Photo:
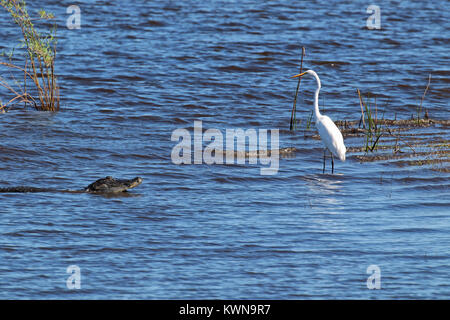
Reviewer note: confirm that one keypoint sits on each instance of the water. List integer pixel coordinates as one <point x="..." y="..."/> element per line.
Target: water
<point x="134" y="73"/>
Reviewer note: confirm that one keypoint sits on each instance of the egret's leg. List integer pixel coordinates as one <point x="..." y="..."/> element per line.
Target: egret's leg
<point x="332" y="163"/>
<point x="324" y="159"/>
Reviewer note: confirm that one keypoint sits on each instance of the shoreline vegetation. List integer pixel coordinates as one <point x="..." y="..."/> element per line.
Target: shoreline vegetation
<point x="39" y="65"/>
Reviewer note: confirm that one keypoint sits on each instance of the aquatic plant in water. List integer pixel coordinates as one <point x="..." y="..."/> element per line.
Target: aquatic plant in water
<point x="371" y="125"/>
<point x="39" y="63"/>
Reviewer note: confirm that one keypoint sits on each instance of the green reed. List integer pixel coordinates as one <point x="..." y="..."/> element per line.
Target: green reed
<point x="373" y="129"/>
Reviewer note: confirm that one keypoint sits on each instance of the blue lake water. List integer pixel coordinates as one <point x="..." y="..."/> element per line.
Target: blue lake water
<point x="134" y="73"/>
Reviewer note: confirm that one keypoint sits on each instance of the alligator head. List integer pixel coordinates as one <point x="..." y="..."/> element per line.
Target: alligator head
<point x="112" y="185"/>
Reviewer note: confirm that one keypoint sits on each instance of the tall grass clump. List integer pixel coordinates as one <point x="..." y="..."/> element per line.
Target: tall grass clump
<point x="373" y="130"/>
<point x="39" y="65"/>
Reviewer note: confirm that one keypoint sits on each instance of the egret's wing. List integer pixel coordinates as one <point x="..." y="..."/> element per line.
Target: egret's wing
<point x="331" y="136"/>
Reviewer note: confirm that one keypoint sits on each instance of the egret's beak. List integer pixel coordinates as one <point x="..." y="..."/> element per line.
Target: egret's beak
<point x="299" y="75"/>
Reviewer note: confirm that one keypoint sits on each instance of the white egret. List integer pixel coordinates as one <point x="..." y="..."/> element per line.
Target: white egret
<point x="328" y="131"/>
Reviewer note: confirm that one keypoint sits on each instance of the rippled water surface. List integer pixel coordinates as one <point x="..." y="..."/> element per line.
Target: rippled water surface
<point x="135" y="72"/>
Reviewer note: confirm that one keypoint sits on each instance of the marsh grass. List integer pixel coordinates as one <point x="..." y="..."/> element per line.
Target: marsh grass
<point x="373" y="128"/>
<point x="39" y="64"/>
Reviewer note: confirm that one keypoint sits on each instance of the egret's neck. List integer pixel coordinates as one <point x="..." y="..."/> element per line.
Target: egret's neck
<point x="316" y="99"/>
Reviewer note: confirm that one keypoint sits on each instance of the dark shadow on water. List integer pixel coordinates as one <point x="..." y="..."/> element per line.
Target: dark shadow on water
<point x="118" y="195"/>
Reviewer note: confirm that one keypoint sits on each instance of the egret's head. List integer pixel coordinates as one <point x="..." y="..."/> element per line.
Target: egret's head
<point x="311" y="72"/>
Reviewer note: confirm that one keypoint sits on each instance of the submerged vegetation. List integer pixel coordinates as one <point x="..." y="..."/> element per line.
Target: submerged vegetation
<point x="403" y="142"/>
<point x="38" y="65"/>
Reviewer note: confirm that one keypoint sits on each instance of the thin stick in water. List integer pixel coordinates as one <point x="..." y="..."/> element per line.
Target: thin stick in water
<point x="424" y="93"/>
<point x="291" y="126"/>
